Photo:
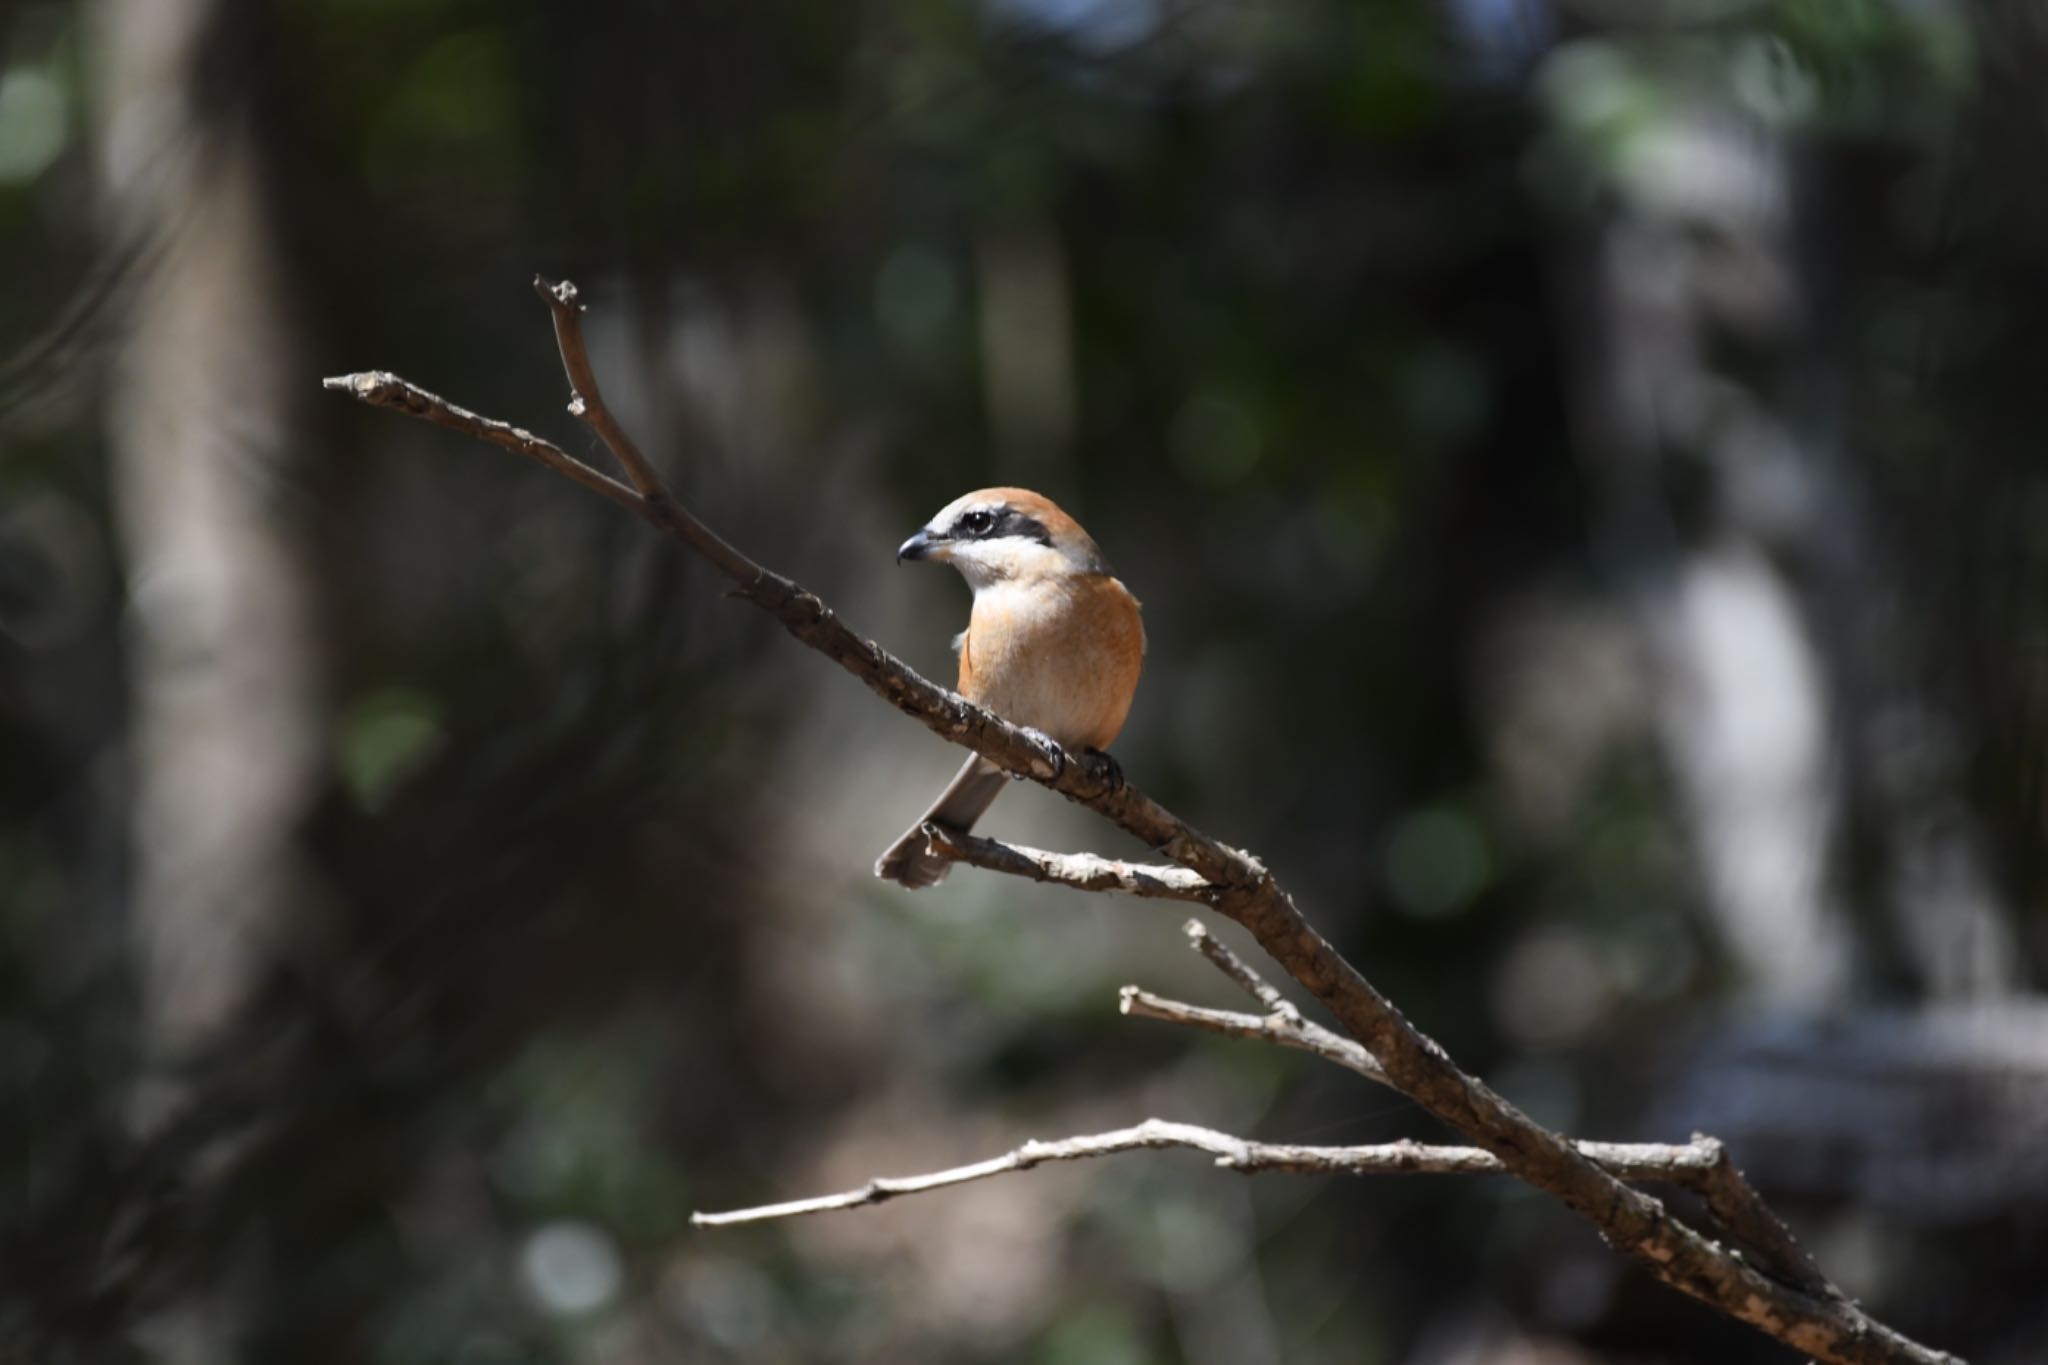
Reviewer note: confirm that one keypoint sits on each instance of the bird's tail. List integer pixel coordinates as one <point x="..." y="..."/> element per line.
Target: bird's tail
<point x="910" y="860"/>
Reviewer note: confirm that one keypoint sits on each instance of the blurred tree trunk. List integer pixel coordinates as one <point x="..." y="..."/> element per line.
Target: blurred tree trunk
<point x="1701" y="477"/>
<point x="225" y="735"/>
<point x="225" y="689"/>
<point x="1786" y="704"/>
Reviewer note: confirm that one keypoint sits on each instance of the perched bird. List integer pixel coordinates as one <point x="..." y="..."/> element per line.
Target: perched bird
<point x="1054" y="643"/>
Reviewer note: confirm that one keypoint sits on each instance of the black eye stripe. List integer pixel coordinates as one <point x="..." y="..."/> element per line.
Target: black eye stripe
<point x="1001" y="523"/>
<point x="1014" y="523"/>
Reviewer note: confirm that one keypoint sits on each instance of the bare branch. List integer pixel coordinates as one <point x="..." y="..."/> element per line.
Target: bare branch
<point x="1238" y="970"/>
<point x="1688" y="1164"/>
<point x="1821" y="1325"/>
<point x="586" y="400"/>
<point x="1731" y="1201"/>
<point x="1741" y="1212"/>
<point x="382" y="389"/>
<point x="658" y="505"/>
<point x="1288" y="1030"/>
<point x="1081" y="871"/>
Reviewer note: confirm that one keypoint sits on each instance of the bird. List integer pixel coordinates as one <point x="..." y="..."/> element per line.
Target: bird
<point x="1055" y="643"/>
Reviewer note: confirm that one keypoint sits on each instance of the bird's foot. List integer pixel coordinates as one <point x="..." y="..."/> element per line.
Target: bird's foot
<point x="1050" y="747"/>
<point x="1112" y="771"/>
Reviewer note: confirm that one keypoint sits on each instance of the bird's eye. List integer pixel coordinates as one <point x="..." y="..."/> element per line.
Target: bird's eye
<point x="978" y="522"/>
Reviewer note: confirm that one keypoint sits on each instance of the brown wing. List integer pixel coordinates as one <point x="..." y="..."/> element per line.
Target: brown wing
<point x="1119" y="655"/>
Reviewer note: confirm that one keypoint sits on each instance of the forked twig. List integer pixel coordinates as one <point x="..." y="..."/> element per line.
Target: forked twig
<point x="1081" y="871"/>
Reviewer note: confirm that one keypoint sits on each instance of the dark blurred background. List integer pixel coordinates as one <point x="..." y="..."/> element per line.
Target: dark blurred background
<point x="1582" y="463"/>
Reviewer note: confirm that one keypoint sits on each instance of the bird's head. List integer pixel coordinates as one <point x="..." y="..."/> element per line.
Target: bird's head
<point x="1000" y="534"/>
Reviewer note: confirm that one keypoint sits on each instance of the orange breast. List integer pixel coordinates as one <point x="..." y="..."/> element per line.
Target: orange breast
<point x="1062" y="656"/>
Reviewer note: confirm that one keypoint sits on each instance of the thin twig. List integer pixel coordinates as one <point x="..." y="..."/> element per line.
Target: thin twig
<point x="1081" y="871"/>
<point x="586" y="399"/>
<point x="1286" y="1030"/>
<point x="1821" y="1325"/>
<point x="1238" y="970"/>
<point x="1731" y="1201"/>
<point x="1740" y="1211"/>
<point x="382" y="389"/>
<point x="1628" y="1161"/>
<point x="1734" y="1205"/>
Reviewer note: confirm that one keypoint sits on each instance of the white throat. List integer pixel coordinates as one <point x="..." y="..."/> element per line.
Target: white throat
<point x="987" y="564"/>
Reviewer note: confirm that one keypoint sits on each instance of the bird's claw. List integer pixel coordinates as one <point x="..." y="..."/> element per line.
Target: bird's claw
<point x="1050" y="747"/>
<point x="1112" y="771"/>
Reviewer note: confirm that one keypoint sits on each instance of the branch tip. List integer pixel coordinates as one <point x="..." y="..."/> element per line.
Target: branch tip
<point x="562" y="294"/>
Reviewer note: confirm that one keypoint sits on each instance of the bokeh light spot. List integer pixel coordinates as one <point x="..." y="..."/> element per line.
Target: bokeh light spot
<point x="571" y="1268"/>
<point x="31" y="125"/>
<point x="384" y="739"/>
<point x="1437" y="860"/>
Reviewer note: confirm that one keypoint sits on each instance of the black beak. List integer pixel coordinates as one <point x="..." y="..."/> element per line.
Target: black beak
<point x="918" y="546"/>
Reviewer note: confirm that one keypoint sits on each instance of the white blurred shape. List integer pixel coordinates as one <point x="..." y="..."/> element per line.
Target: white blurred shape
<point x="570" y="1268"/>
<point x="1745" y="717"/>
